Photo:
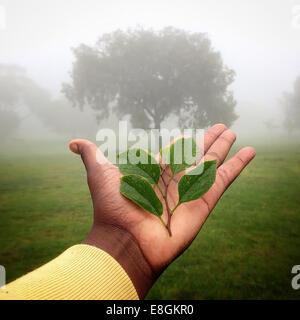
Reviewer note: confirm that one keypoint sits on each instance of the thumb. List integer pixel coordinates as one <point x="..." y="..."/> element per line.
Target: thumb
<point x="91" y="156"/>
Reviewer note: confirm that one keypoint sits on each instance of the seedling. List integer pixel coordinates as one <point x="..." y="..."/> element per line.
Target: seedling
<point x="142" y="174"/>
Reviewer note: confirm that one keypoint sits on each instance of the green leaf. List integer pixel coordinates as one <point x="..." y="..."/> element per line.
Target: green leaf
<point x="140" y="191"/>
<point x="139" y="162"/>
<point x="164" y="154"/>
<point x="183" y="153"/>
<point x="197" y="182"/>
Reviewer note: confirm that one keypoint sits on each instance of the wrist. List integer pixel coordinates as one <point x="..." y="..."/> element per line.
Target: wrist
<point x="123" y="247"/>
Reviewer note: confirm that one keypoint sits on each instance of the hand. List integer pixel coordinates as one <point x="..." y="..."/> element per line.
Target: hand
<point x="136" y="238"/>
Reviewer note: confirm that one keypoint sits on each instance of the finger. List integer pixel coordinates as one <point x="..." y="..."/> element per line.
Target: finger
<point x="190" y="223"/>
<point x="226" y="174"/>
<point x="212" y="134"/>
<point x="209" y="138"/>
<point x="159" y="156"/>
<point x="220" y="148"/>
<point x="90" y="153"/>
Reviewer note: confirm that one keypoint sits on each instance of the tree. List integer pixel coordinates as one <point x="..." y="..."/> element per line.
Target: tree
<point x="18" y="95"/>
<point x="291" y="103"/>
<point x="150" y="75"/>
<point x="21" y="98"/>
<point x="11" y="85"/>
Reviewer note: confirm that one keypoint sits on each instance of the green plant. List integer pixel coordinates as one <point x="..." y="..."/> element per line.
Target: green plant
<point x="141" y="171"/>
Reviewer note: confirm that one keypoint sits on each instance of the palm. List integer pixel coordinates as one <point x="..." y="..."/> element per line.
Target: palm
<point x="111" y="208"/>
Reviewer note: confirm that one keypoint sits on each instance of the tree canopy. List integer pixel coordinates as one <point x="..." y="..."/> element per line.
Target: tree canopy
<point x="11" y="87"/>
<point x="291" y="103"/>
<point x="150" y="75"/>
<point x="21" y="99"/>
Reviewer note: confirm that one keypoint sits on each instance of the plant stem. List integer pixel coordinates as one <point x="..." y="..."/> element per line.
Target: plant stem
<point x="158" y="187"/>
<point x="171" y="178"/>
<point x="165" y="197"/>
<point x="168" y="208"/>
<point x="162" y="221"/>
<point x="172" y="211"/>
<point x="163" y="169"/>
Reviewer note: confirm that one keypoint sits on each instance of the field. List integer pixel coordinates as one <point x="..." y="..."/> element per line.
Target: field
<point x="246" y="249"/>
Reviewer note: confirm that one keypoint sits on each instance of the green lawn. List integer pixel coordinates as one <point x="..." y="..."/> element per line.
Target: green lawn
<point x="246" y="249"/>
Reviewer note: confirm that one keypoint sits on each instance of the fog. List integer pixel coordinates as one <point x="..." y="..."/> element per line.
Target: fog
<point x="259" y="40"/>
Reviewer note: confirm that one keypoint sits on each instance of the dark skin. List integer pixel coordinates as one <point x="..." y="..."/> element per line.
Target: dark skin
<point x="136" y="238"/>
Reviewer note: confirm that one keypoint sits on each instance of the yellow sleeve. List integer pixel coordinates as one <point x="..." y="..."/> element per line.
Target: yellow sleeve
<point x="82" y="272"/>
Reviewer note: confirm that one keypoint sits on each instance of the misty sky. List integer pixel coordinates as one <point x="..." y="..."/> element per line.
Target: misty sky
<point x="258" y="39"/>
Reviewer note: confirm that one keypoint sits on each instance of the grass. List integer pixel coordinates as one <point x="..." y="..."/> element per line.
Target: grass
<point x="246" y="249"/>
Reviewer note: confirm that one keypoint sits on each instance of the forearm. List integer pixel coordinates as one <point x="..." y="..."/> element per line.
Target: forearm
<point x="82" y="272"/>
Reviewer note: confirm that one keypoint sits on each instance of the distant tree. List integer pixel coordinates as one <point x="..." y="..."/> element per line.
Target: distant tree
<point x="11" y="93"/>
<point x="9" y="123"/>
<point x="21" y="98"/>
<point x="11" y="85"/>
<point x="291" y="103"/>
<point x="270" y="124"/>
<point x="150" y="75"/>
<point x="19" y="94"/>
